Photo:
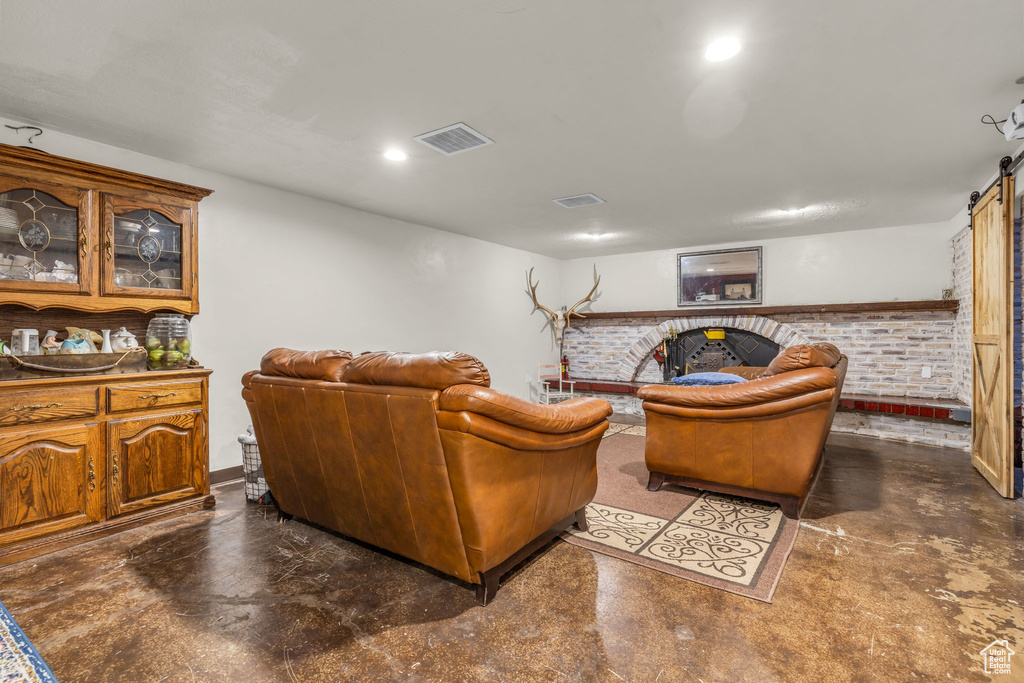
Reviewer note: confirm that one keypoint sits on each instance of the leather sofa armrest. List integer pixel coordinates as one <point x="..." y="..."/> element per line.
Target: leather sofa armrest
<point x="756" y="391"/>
<point x="559" y="418"/>
<point x="247" y="385"/>
<point x="516" y="437"/>
<point x="744" y="371"/>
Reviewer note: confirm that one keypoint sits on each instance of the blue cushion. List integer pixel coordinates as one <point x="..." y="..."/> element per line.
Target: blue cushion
<point x="707" y="379"/>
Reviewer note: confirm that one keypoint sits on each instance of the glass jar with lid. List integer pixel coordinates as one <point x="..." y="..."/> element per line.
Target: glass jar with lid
<point x="169" y="341"/>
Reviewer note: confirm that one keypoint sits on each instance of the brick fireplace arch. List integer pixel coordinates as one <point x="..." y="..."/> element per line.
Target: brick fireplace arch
<point x="780" y="333"/>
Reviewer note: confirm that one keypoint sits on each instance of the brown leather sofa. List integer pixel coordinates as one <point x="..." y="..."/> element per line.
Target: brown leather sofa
<point x="762" y="439"/>
<point x="414" y="453"/>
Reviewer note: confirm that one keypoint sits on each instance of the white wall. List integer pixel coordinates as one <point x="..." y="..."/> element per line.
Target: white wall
<point x="900" y="263"/>
<point x="281" y="269"/>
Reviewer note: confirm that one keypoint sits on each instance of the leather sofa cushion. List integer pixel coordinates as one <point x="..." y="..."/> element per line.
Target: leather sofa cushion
<point x="560" y="418"/>
<point x="323" y="365"/>
<point x="433" y="370"/>
<point x="823" y="355"/>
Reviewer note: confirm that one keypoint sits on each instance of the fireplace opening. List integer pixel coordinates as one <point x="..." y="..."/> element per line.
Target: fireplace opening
<point x="711" y="349"/>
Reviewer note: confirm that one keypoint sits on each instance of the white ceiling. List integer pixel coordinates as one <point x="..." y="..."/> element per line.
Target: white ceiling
<point x="867" y="110"/>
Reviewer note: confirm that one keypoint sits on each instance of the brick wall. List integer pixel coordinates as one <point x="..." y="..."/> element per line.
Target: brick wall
<point x="622" y="349"/>
<point x="895" y="428"/>
<point x="887" y="351"/>
<point x="961" y="243"/>
<point x="622" y="404"/>
<point x="595" y="348"/>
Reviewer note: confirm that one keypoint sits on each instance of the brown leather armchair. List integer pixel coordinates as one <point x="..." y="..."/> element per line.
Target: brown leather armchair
<point x="414" y="453"/>
<point x="762" y="439"/>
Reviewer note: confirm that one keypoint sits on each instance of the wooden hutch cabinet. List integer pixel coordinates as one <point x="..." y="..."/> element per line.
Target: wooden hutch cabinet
<point x="85" y="455"/>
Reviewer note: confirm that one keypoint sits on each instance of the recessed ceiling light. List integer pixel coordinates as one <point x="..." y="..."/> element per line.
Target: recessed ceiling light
<point x="722" y="49"/>
<point x="791" y="213"/>
<point x="711" y="270"/>
<point x="595" y="235"/>
<point x="826" y="210"/>
<point x="395" y="155"/>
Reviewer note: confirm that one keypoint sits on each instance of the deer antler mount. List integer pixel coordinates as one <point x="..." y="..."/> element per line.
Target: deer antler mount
<point x="560" y="320"/>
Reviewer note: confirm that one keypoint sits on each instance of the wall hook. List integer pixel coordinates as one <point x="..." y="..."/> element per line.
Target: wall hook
<point x="33" y="136"/>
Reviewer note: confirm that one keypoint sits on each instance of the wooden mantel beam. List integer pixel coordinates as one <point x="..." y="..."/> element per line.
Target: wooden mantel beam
<point x="872" y="307"/>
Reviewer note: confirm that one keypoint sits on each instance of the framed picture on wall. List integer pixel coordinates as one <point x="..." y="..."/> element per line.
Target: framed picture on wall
<point x="720" y="277"/>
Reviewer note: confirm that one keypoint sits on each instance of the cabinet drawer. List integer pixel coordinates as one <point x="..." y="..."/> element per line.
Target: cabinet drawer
<point x="24" y="407"/>
<point x="156" y="395"/>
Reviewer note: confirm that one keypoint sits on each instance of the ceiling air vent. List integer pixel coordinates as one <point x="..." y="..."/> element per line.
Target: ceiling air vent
<point x="453" y="140"/>
<point x="579" y="200"/>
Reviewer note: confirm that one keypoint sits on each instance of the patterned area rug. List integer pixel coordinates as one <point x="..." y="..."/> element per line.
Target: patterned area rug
<point x="730" y="543"/>
<point x="619" y="428"/>
<point x="19" y="660"/>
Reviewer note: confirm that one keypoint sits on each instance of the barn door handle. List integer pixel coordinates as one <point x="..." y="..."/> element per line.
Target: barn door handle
<point x="169" y="393"/>
<point x="37" y="406"/>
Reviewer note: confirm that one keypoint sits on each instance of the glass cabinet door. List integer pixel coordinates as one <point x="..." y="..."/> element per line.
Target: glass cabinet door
<point x="43" y="237"/>
<point x="147" y="249"/>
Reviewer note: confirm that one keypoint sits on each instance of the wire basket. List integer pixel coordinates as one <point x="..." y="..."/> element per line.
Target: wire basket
<point x="256" y="489"/>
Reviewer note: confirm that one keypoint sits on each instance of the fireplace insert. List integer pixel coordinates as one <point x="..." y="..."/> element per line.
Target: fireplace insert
<point x="711" y="349"/>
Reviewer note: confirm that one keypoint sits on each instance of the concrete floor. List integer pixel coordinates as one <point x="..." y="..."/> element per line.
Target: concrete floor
<point x="907" y="564"/>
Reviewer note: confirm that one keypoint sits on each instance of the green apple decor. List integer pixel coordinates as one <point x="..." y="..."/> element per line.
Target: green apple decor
<point x="169" y="342"/>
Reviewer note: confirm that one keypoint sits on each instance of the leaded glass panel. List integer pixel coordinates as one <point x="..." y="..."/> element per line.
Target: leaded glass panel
<point x="38" y="237"/>
<point x="147" y="250"/>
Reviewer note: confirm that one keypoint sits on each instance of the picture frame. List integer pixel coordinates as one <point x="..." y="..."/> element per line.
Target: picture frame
<point x="719" y="277"/>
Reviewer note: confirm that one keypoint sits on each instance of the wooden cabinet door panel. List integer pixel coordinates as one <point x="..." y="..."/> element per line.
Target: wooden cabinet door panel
<point x="156" y="460"/>
<point x="45" y="222"/>
<point x="50" y="480"/>
<point x="169" y="270"/>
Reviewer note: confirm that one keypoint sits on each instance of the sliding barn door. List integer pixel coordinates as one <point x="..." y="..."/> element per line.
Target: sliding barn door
<point x="992" y="341"/>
